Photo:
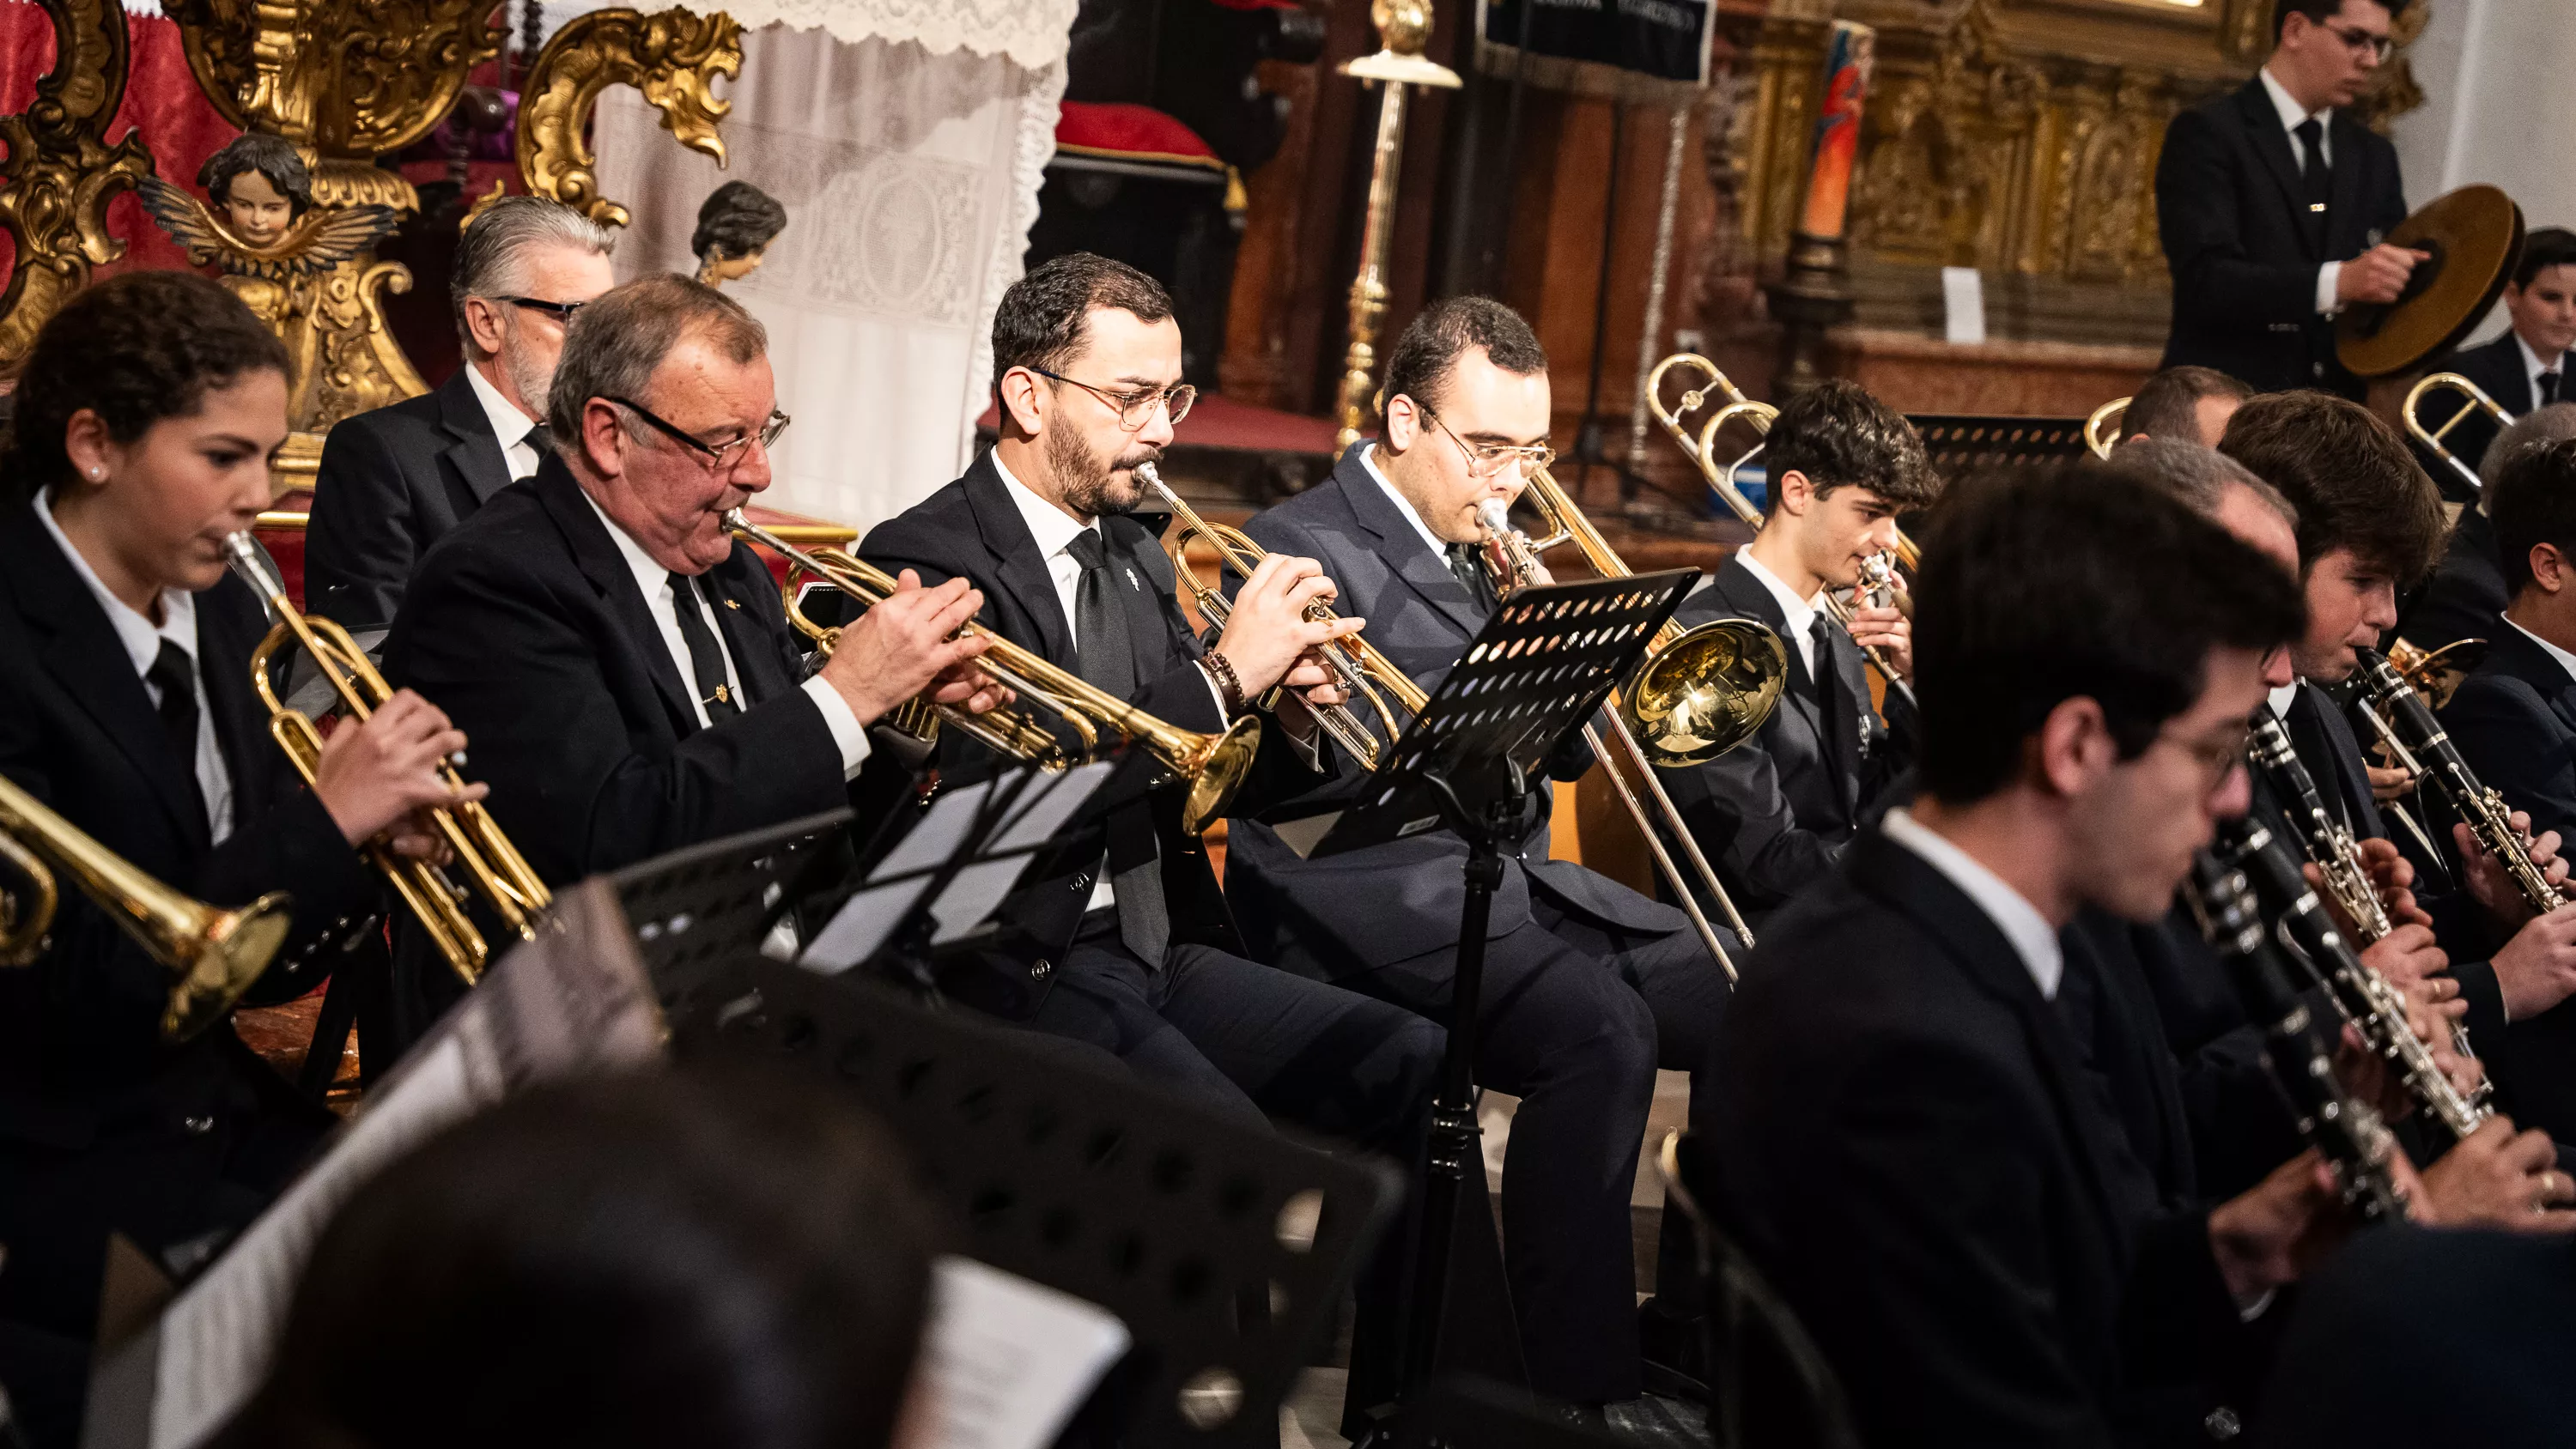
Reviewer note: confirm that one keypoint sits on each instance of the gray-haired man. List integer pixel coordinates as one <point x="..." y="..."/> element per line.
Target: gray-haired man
<point x="395" y="479"/>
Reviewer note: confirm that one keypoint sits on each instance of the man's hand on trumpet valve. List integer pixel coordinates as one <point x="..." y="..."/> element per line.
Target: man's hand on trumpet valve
<point x="909" y="645"/>
<point x="1269" y="640"/>
<point x="1888" y="630"/>
<point x="381" y="775"/>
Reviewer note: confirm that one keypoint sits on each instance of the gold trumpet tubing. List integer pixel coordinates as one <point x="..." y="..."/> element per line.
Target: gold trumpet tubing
<point x="2100" y="426"/>
<point x="29" y="912"/>
<point x="1344" y="727"/>
<point x="2474" y="399"/>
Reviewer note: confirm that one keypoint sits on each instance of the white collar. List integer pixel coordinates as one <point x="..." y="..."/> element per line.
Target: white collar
<point x="2287" y="106"/>
<point x="1403" y="505"/>
<point x="2565" y="660"/>
<point x="2031" y="936"/>
<point x="1052" y="527"/>
<point x="1798" y="613"/>
<point x="650" y="576"/>
<point x="2533" y="367"/>
<point x="140" y="636"/>
<point x="509" y="425"/>
<point x="2282" y="697"/>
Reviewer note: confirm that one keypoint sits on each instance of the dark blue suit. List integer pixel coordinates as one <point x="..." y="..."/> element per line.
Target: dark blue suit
<point x="393" y="482"/>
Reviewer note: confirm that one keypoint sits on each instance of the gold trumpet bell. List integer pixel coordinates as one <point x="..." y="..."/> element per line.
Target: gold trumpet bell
<point x="1226" y="761"/>
<point x="1706" y="692"/>
<point x="227" y="954"/>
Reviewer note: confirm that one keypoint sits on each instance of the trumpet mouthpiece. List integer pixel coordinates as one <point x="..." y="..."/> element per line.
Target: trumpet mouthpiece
<point x="1494" y="516"/>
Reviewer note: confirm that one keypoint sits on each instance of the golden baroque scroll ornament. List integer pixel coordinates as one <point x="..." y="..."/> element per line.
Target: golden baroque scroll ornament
<point x="61" y="173"/>
<point x="673" y="57"/>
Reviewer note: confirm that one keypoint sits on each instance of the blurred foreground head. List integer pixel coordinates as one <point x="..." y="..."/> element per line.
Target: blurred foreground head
<point x="715" y="1262"/>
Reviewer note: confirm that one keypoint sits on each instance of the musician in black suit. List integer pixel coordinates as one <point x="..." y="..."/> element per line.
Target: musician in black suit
<point x="1122" y="929"/>
<point x="2526" y="368"/>
<point x="623" y="664"/>
<point x="395" y="480"/>
<point x="145" y="421"/>
<point x="2272" y="203"/>
<point x="1906" y="1142"/>
<point x="1588" y="986"/>
<point x="1774" y="813"/>
<point x="2466" y="594"/>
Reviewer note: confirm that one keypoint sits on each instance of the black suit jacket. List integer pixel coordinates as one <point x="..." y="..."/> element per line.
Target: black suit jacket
<point x="102" y="1125"/>
<point x="2230" y="209"/>
<point x="1774" y="813"/>
<point x="1369" y="908"/>
<point x="2497" y="368"/>
<point x="393" y="482"/>
<point x="1912" y="1150"/>
<point x="527" y="627"/>
<point x="2466" y="593"/>
<point x="972" y="529"/>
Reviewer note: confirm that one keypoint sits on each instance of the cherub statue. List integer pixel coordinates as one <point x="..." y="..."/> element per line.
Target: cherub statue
<point x="736" y="224"/>
<point x="263" y="230"/>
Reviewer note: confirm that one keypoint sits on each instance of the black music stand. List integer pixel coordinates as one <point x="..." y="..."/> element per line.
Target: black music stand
<point x="1542" y="665"/>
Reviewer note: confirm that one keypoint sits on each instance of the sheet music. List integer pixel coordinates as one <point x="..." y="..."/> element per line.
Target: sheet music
<point x="861" y="925"/>
<point x="1010" y="1360"/>
<point x="939" y="835"/>
<point x="1048" y="805"/>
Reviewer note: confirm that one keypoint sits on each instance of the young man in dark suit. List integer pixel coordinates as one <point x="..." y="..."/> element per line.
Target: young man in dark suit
<point x="2273" y="203"/>
<point x="2526" y="368"/>
<point x="1906" y="1144"/>
<point x="1588" y="985"/>
<point x="1774" y="813"/>
<point x="395" y="480"/>
<point x="2467" y="593"/>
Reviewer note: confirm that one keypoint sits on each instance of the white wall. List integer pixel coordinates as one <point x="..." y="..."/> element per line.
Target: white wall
<point x="2499" y="80"/>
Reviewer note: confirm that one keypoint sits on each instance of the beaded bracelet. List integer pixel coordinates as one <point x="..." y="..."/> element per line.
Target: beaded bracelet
<point x="1229" y="685"/>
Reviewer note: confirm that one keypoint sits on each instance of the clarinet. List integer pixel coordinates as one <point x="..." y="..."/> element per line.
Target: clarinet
<point x="2349" y="1133"/>
<point x="2402" y="717"/>
<point x="2376" y="1008"/>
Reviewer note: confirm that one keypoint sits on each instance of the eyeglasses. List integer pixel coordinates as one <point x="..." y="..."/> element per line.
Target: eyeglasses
<point x="1135" y="409"/>
<point x="722" y="455"/>
<point x="2215" y="757"/>
<point x="2358" y="40"/>
<point x="1484" y="460"/>
<point x="560" y="311"/>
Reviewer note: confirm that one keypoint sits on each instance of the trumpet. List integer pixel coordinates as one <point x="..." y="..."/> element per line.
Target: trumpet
<point x="2102" y="429"/>
<point x="500" y="875"/>
<point x="1712" y="686"/>
<point x="1356" y="665"/>
<point x="2474" y="399"/>
<point x="1213" y="764"/>
<point x="213" y="954"/>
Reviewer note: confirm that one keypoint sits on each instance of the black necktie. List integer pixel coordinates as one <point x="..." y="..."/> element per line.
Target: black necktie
<point x="1467" y="565"/>
<point x="1821" y="658"/>
<point x="175" y="675"/>
<point x="706" y="661"/>
<point x="1105" y="657"/>
<point x="541" y="438"/>
<point x="2549" y="387"/>
<point x="2316" y="179"/>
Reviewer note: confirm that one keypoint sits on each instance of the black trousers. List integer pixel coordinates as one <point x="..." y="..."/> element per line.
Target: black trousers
<point x="1575" y="1018"/>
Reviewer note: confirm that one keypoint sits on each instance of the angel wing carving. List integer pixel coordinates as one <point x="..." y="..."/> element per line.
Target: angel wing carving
<point x="324" y="238"/>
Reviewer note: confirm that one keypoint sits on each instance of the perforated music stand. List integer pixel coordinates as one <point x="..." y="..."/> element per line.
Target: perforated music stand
<point x="1542" y="665"/>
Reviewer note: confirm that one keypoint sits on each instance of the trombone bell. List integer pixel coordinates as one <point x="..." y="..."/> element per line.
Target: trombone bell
<point x="1705" y="692"/>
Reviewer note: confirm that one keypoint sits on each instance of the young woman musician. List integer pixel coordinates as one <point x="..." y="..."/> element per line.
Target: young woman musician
<point x="143" y="429"/>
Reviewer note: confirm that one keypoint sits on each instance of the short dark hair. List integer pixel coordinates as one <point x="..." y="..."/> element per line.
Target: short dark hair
<point x="620" y="337"/>
<point x="2548" y="246"/>
<point x="1431" y="344"/>
<point x="2194" y="476"/>
<point x="2534" y="502"/>
<point x="2167" y="404"/>
<point x="2538" y="427"/>
<point x="2321" y="11"/>
<point x="665" y="1260"/>
<point x="274" y="157"/>
<point x="135" y="349"/>
<point x="1839" y="435"/>
<point x="2354" y="481"/>
<point x="2045" y="585"/>
<point x="1043" y="321"/>
<point x="736" y="220"/>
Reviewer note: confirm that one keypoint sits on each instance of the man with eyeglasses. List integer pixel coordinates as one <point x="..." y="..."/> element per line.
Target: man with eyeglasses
<point x="1588" y="986"/>
<point x="634" y="684"/>
<point x="2274" y="205"/>
<point x="394" y="480"/>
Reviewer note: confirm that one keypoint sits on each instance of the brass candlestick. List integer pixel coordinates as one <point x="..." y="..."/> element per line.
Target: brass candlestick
<point x="1402" y="27"/>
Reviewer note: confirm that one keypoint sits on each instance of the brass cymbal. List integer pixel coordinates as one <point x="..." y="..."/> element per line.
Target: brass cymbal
<point x="2475" y="236"/>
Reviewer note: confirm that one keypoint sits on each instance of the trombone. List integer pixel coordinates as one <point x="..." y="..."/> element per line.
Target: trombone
<point x="1699" y="693"/>
<point x="1356" y="664"/>
<point x="2474" y="399"/>
<point x="2102" y="429"/>
<point x="1213" y="764"/>
<point x="213" y="954"/>
<point x="500" y="875"/>
<point x="1878" y="579"/>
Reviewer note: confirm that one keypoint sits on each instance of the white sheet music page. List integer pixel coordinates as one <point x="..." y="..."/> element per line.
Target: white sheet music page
<point x="1009" y="1360"/>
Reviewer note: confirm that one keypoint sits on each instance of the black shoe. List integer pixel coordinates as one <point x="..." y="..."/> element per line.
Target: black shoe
<point x="1675" y="1348"/>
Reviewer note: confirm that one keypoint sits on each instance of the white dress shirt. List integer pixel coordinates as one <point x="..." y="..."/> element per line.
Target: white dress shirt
<point x="2281" y="698"/>
<point x="2032" y="937"/>
<point x="2533" y="367"/>
<point x="1797" y="615"/>
<point x="142" y="640"/>
<point x="655" y="582"/>
<point x="1403" y="505"/>
<point x="509" y="425"/>
<point x="2291" y="118"/>
<point x="2565" y="660"/>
